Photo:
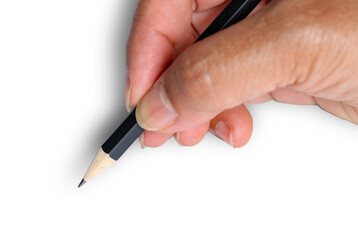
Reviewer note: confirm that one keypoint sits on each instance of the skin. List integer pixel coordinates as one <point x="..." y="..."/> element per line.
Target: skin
<point x="291" y="51"/>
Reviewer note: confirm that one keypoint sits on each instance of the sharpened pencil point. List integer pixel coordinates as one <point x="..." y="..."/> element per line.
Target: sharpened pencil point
<point x="82" y="183"/>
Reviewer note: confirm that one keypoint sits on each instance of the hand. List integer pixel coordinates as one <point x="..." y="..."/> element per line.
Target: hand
<point x="291" y="51"/>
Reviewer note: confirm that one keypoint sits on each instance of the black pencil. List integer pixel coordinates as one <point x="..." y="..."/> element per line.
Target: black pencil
<point x="129" y="130"/>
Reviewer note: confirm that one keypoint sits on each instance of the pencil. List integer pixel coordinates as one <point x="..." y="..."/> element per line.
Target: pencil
<point x="129" y="130"/>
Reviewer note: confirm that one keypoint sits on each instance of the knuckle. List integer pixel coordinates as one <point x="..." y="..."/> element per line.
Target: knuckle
<point x="313" y="33"/>
<point x="191" y="84"/>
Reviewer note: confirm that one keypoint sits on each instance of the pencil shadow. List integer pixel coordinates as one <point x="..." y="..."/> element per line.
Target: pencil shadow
<point x="123" y="23"/>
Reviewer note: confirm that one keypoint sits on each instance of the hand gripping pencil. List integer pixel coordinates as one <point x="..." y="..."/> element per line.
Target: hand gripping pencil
<point x="129" y="131"/>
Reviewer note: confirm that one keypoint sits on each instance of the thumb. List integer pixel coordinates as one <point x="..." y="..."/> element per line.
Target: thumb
<point x="225" y="70"/>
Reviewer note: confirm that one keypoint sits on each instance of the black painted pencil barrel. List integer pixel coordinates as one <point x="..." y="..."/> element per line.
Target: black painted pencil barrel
<point x="123" y="137"/>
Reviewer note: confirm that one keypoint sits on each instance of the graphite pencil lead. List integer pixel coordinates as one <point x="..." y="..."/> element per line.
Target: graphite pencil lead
<point x="82" y="183"/>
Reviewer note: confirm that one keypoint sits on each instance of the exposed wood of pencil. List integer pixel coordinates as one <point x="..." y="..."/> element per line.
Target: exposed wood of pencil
<point x="101" y="162"/>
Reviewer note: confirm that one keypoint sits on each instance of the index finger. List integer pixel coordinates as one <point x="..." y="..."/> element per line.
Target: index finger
<point x="159" y="28"/>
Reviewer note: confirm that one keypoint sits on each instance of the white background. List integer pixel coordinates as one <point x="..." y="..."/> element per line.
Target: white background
<point x="62" y="70"/>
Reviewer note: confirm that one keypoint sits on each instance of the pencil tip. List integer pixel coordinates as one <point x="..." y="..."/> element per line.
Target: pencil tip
<point x="82" y="183"/>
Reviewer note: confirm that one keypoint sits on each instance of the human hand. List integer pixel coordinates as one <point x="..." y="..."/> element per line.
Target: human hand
<point x="291" y="51"/>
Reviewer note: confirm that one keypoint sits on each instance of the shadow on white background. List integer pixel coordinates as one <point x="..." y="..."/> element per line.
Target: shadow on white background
<point x="62" y="73"/>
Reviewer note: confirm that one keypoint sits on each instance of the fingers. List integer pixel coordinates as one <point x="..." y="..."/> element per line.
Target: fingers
<point x="159" y="28"/>
<point x="201" y="19"/>
<point x="187" y="138"/>
<point x="234" y="126"/>
<point x="279" y="53"/>
<point x="204" y="12"/>
<point x="216" y="74"/>
<point x="153" y="139"/>
<point x="192" y="136"/>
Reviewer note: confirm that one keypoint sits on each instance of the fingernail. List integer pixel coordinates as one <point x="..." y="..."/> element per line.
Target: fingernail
<point x="177" y="138"/>
<point x="155" y="112"/>
<point x="224" y="131"/>
<point x="141" y="141"/>
<point x="128" y="93"/>
<point x="193" y="6"/>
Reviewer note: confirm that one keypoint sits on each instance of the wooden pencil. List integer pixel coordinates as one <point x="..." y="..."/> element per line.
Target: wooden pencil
<point x="129" y="130"/>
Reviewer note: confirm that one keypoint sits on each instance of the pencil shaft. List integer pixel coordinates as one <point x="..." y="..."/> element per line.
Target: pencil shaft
<point x="123" y="137"/>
